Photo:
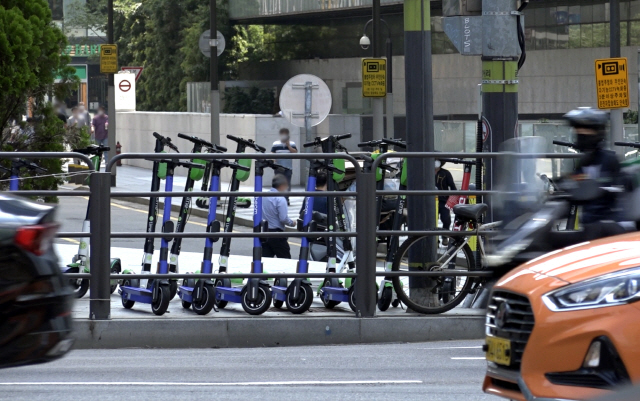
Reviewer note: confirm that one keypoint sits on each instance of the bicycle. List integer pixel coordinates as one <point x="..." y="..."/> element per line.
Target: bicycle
<point x="443" y="293"/>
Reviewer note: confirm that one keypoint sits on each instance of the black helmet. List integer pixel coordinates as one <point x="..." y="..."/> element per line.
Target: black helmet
<point x="587" y="118"/>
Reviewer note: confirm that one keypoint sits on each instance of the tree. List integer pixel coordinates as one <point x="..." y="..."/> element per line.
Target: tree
<point x="30" y="63"/>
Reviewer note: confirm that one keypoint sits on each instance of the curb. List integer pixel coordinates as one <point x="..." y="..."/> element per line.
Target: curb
<point x="273" y="332"/>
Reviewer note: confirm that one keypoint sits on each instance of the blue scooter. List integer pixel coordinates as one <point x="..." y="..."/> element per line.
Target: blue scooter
<point x="299" y="295"/>
<point x="16" y="166"/>
<point x="157" y="292"/>
<point x="200" y="294"/>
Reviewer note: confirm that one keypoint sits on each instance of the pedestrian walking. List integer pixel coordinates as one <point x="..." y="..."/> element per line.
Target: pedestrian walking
<point x="84" y="119"/>
<point x="275" y="212"/>
<point x="99" y="130"/>
<point x="74" y="119"/>
<point x="444" y="182"/>
<point x="285" y="145"/>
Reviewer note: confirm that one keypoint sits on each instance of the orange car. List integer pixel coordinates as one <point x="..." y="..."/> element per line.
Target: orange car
<point x="566" y="326"/>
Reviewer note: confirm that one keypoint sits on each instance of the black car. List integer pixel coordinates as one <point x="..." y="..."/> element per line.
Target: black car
<point x="35" y="300"/>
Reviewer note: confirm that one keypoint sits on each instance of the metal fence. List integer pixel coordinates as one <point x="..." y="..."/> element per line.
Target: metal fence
<point x="100" y="196"/>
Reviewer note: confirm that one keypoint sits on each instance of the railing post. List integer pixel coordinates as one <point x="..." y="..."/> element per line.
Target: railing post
<point x="366" y="245"/>
<point x="100" y="248"/>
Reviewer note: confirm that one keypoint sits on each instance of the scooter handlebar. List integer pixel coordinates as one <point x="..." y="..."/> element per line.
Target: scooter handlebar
<point x="196" y="140"/>
<point x="629" y="144"/>
<point x="166" y="141"/>
<point x="395" y="142"/>
<point x="247" y="142"/>
<point x="93" y="150"/>
<point x="565" y="144"/>
<point x="343" y="136"/>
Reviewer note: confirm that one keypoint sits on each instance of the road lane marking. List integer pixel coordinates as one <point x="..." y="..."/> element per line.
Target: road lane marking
<point x="474" y="347"/>
<point x="229" y="384"/>
<point x="469" y="357"/>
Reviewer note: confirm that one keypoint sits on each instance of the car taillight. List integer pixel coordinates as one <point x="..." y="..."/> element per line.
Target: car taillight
<point x="36" y="239"/>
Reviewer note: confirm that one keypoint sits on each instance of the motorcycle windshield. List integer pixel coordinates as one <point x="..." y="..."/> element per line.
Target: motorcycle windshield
<point x="522" y="181"/>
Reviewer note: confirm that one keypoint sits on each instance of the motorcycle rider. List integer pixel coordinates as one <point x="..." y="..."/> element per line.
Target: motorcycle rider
<point x="596" y="163"/>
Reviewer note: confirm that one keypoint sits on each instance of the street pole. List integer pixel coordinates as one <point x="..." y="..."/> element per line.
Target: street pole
<point x="420" y="137"/>
<point x="111" y="96"/>
<point x="377" y="103"/>
<point x="213" y="72"/>
<point x="389" y="99"/>
<point x="617" y="127"/>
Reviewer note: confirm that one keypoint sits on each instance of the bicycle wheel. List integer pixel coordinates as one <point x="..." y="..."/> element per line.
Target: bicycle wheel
<point x="432" y="295"/>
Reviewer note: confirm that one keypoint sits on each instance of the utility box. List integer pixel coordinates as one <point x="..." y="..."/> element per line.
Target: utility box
<point x="453" y="8"/>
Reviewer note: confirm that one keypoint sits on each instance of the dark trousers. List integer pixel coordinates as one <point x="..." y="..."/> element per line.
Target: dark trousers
<point x="288" y="174"/>
<point x="445" y="215"/>
<point x="276" y="247"/>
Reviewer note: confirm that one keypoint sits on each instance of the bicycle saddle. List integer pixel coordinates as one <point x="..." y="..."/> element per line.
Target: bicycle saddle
<point x="470" y="212"/>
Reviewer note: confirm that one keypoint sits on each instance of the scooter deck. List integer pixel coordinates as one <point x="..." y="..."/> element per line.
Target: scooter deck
<point x="137" y="294"/>
<point x="279" y="293"/>
<point x="229" y="294"/>
<point x="185" y="293"/>
<point x="339" y="294"/>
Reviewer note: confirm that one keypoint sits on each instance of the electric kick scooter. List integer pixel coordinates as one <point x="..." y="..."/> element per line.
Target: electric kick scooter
<point x="157" y="292"/>
<point x="223" y="288"/>
<point x="80" y="263"/>
<point x="194" y="174"/>
<point x="16" y="166"/>
<point x="152" y="215"/>
<point x="333" y="292"/>
<point x="386" y="294"/>
<point x="200" y="294"/>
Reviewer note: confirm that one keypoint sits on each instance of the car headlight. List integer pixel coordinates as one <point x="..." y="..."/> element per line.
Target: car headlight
<point x="613" y="289"/>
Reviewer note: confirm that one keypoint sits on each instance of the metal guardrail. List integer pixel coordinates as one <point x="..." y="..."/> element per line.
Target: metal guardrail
<point x="100" y="216"/>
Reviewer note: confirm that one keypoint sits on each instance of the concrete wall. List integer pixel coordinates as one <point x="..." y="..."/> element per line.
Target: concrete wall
<point x="551" y="81"/>
<point x="135" y="134"/>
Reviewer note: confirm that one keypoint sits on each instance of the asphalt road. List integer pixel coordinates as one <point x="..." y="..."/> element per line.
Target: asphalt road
<point x="435" y="371"/>
<point x="131" y="217"/>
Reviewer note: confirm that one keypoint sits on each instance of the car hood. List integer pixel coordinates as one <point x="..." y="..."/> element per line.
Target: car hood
<point x="587" y="260"/>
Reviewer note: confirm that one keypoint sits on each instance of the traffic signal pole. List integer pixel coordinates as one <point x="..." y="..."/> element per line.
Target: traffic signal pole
<point x="617" y="123"/>
<point x="420" y="137"/>
<point x="377" y="103"/>
<point x="111" y="96"/>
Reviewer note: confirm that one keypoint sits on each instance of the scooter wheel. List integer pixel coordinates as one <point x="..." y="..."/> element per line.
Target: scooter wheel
<point x="173" y="288"/>
<point x="277" y="303"/>
<point x="385" y="300"/>
<point x="208" y="299"/>
<point x="304" y="300"/>
<point x="220" y="304"/>
<point x="352" y="297"/>
<point x="261" y="304"/>
<point x="186" y="304"/>
<point x="395" y="303"/>
<point x="328" y="304"/>
<point x="160" y="306"/>
<point x="127" y="304"/>
<point x="82" y="288"/>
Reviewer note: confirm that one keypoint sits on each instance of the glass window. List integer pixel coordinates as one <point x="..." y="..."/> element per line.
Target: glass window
<point x="574" y="14"/>
<point x="600" y="38"/>
<point x="634" y="10"/>
<point x="624" y="10"/>
<point x="540" y="16"/>
<point x="562" y="15"/>
<point x="634" y="33"/>
<point x="586" y="14"/>
<point x="551" y="16"/>
<point x="586" y="35"/>
<point x="528" y="38"/>
<point x="541" y="38"/>
<point x="599" y="13"/>
<point x="574" y="36"/>
<point x="563" y="37"/>
<point x="624" y="34"/>
<point x="529" y="17"/>
<point x="552" y="37"/>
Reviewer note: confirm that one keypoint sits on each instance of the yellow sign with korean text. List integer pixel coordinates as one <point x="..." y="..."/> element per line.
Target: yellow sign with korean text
<point x="109" y="59"/>
<point x="612" y="83"/>
<point x="374" y="77"/>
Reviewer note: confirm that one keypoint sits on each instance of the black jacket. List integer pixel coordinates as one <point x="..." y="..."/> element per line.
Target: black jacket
<point x="444" y="182"/>
<point x="603" y="166"/>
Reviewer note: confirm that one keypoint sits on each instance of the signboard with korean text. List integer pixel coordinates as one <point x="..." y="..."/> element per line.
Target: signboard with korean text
<point x="612" y="83"/>
<point x="374" y="77"/>
<point x="108" y="59"/>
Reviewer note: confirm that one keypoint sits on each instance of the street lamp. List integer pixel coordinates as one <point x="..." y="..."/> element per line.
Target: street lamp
<point x="365" y="43"/>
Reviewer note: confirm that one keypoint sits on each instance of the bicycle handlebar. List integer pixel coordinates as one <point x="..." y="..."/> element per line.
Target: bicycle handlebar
<point x="247" y="142"/>
<point x="166" y="141"/>
<point x="565" y="144"/>
<point x="629" y="144"/>
<point x="93" y="150"/>
<point x="457" y="161"/>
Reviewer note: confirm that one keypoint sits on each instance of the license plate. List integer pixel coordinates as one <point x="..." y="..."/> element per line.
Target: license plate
<point x="499" y="350"/>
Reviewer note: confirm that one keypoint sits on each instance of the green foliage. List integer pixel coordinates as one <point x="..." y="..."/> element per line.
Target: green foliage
<point x="631" y="117"/>
<point x="253" y="100"/>
<point x="30" y="62"/>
